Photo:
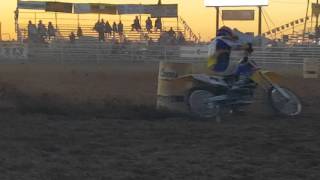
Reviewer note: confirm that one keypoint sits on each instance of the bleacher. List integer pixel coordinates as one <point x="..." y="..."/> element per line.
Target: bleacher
<point x="64" y="30"/>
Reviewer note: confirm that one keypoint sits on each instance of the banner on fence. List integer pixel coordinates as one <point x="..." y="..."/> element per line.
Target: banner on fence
<point x="238" y="15"/>
<point x="194" y="51"/>
<point x="59" y="7"/>
<point x="310" y="68"/>
<point x="35" y="5"/>
<point x="13" y="51"/>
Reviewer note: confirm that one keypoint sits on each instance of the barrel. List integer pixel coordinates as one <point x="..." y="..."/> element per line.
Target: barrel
<point x="172" y="90"/>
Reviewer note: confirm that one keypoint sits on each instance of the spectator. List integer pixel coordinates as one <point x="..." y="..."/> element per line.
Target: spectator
<point x="79" y="32"/>
<point x="102" y="25"/>
<point x="158" y="24"/>
<point x="108" y="29"/>
<point x="101" y="29"/>
<point x="150" y="41"/>
<point x="180" y="38"/>
<point x="114" y="28"/>
<point x="136" y="24"/>
<point x="96" y="26"/>
<point x="164" y="38"/>
<point x="42" y="31"/>
<point x="72" y="37"/>
<point x="120" y="28"/>
<point x="51" y="31"/>
<point x="149" y="25"/>
<point x="32" y="31"/>
<point x="172" y="33"/>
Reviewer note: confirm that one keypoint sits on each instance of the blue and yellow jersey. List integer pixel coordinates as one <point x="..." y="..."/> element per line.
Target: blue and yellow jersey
<point x="219" y="53"/>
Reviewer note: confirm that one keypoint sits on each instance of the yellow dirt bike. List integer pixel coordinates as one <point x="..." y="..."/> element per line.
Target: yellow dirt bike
<point x="212" y="95"/>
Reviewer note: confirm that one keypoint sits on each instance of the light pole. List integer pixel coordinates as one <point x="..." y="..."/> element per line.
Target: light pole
<point x="317" y="20"/>
<point x="0" y="31"/>
<point x="305" y="22"/>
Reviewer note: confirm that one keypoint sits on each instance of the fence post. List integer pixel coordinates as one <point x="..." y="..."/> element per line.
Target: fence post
<point x="61" y="54"/>
<point x="165" y="53"/>
<point x="98" y="54"/>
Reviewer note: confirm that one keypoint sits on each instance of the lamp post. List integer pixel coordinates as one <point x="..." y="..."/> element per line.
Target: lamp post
<point x="305" y="22"/>
<point x="0" y="31"/>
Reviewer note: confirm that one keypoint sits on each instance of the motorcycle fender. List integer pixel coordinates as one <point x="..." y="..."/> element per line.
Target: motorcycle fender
<point x="272" y="76"/>
<point x="210" y="80"/>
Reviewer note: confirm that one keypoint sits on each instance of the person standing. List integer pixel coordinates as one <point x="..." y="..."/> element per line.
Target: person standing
<point x="149" y="25"/>
<point x="51" y="31"/>
<point x="79" y="32"/>
<point x="180" y="38"/>
<point x="72" y="38"/>
<point x="136" y="24"/>
<point x="32" y="31"/>
<point x="114" y="28"/>
<point x="158" y="24"/>
<point x="120" y="28"/>
<point x="108" y="29"/>
<point x="42" y="31"/>
<point x="101" y="29"/>
<point x="96" y="26"/>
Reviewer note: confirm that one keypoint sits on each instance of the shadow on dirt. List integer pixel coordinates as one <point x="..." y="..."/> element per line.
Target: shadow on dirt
<point x="51" y="104"/>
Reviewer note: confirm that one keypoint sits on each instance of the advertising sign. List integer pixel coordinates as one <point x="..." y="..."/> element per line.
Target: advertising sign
<point x="238" y="15"/>
<point x="104" y="8"/>
<point x="82" y="8"/>
<point x="131" y="9"/>
<point x="13" y="51"/>
<point x="311" y="68"/>
<point x="36" y="5"/>
<point x="165" y="10"/>
<point x="59" y="7"/>
<point x="235" y="3"/>
<point x="315" y="9"/>
<point x="194" y="51"/>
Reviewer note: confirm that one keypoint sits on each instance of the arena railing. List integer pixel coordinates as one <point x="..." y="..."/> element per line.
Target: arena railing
<point x="103" y="52"/>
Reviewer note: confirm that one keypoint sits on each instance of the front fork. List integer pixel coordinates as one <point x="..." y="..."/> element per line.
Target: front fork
<point x="281" y="91"/>
<point x="276" y="86"/>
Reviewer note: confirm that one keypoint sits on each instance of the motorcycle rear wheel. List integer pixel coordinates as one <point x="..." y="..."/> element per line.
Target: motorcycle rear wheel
<point x="200" y="106"/>
<point x="291" y="106"/>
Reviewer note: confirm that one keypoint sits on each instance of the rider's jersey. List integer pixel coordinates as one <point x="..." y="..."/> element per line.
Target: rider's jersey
<point x="219" y="53"/>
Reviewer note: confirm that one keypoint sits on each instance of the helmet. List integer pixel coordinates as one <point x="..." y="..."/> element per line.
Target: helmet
<point x="225" y="31"/>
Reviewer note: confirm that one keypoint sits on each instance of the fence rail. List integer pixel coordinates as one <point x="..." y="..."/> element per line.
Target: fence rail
<point x="96" y="52"/>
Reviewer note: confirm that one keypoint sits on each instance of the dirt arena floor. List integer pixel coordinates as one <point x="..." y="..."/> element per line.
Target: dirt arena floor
<point x="43" y="137"/>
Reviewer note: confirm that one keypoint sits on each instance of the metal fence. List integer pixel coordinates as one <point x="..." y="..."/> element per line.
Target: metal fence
<point x="99" y="52"/>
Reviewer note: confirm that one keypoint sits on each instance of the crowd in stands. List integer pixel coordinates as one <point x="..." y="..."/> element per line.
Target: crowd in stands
<point x="149" y="26"/>
<point x="105" y="30"/>
<point x="171" y="38"/>
<point x="40" y="32"/>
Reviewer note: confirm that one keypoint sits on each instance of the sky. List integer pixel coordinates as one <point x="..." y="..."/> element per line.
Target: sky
<point x="200" y="18"/>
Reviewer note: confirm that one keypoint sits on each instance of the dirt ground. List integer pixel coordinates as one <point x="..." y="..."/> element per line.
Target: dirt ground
<point x="43" y="139"/>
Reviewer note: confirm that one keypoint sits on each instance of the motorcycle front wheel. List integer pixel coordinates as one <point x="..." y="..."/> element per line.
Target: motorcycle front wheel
<point x="286" y="106"/>
<point x="200" y="106"/>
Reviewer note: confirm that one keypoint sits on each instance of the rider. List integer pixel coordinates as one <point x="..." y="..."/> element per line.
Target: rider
<point x="220" y="50"/>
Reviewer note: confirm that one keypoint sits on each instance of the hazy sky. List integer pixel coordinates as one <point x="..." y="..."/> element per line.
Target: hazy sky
<point x="200" y="18"/>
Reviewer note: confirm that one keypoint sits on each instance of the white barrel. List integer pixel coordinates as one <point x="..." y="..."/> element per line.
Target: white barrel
<point x="171" y="89"/>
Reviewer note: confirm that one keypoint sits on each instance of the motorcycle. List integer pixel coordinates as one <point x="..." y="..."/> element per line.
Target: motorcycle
<point x="212" y="95"/>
